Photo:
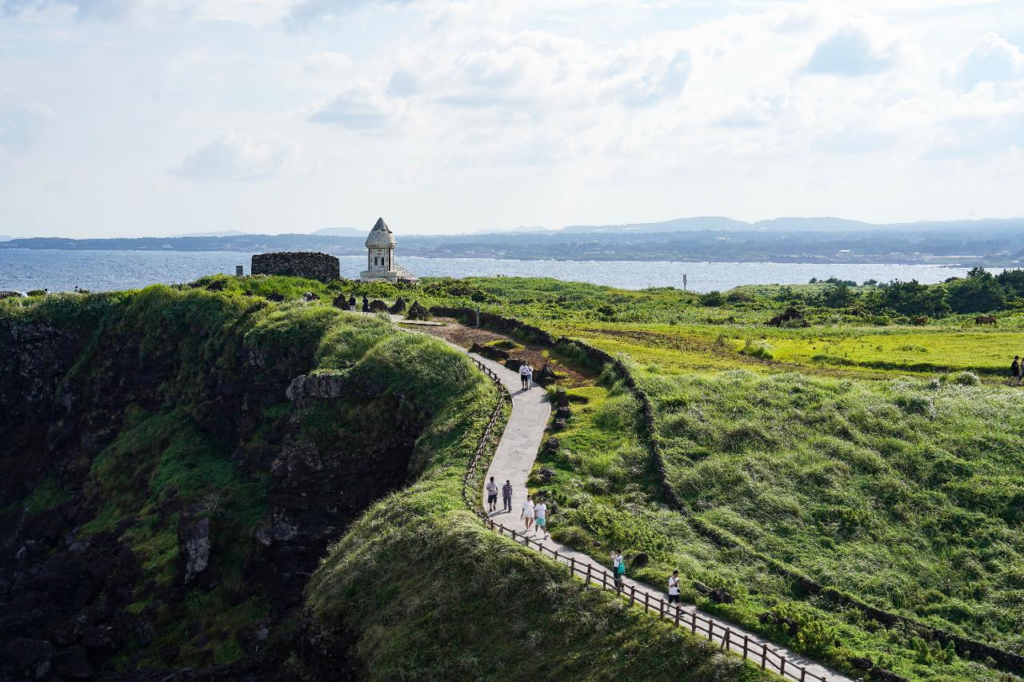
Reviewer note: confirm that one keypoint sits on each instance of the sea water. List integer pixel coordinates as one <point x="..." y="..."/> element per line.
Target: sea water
<point x="25" y="269"/>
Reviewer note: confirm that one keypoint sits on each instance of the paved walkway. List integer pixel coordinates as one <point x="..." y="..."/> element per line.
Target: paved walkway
<point x="513" y="461"/>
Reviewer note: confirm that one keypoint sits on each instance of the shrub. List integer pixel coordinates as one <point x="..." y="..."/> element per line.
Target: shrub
<point x="966" y="379"/>
<point x="757" y="349"/>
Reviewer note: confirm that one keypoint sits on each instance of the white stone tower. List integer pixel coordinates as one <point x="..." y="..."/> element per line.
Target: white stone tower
<point x="380" y="257"/>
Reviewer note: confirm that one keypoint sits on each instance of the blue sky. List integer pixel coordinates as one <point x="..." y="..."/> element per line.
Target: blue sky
<point x="145" y="117"/>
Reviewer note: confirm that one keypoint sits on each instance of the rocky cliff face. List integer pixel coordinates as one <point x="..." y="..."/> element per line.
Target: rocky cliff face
<point x="162" y="502"/>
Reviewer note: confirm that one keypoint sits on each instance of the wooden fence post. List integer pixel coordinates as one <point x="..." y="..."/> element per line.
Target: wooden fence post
<point x="588" y="574"/>
<point x="647" y="602"/>
<point x="745" y="638"/>
<point x="677" y="615"/>
<point x="711" y="630"/>
<point x="728" y="632"/>
<point x="632" y="594"/>
<point x="693" y="622"/>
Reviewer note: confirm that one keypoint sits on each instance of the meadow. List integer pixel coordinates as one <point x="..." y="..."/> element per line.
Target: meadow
<point x="874" y="456"/>
<point x="868" y="450"/>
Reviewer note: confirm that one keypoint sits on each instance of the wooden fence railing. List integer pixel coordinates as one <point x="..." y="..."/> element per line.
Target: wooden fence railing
<point x="730" y="640"/>
<point x="469" y="481"/>
<point x="727" y="638"/>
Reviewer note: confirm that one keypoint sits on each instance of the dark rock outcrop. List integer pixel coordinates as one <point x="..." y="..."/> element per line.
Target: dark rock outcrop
<point x="319" y="266"/>
<point x="545" y="376"/>
<point x="791" y="317"/>
<point x="417" y="312"/>
<point x="489" y="352"/>
<point x="193" y="544"/>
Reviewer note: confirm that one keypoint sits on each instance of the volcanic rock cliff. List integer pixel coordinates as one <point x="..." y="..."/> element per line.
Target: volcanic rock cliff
<point x="163" y="502"/>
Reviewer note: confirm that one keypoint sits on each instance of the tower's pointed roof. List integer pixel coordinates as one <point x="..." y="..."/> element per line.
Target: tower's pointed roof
<point x="380" y="236"/>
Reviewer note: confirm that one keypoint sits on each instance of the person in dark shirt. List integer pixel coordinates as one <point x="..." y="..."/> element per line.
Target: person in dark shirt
<point x="366" y="305"/>
<point x="506" y="495"/>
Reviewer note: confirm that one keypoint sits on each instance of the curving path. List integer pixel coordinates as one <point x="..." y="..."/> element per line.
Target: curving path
<point x="513" y="460"/>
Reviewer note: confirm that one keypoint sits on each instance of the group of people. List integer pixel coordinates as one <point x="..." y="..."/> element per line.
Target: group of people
<point x="1016" y="370"/>
<point x="492" y="495"/>
<point x="533" y="514"/>
<point x="526" y="374"/>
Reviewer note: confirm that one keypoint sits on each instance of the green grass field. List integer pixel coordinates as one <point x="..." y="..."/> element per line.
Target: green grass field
<point x="882" y="460"/>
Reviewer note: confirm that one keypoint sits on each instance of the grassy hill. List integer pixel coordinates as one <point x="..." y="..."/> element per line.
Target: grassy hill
<point x="171" y="502"/>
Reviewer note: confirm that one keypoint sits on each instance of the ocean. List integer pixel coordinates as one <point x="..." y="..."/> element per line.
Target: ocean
<point x="24" y="270"/>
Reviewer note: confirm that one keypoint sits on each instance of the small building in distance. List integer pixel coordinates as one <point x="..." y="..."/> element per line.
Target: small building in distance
<point x="380" y="257"/>
<point x="309" y="265"/>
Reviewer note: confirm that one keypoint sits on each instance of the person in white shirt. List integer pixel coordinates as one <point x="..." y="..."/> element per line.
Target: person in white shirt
<point x="528" y="512"/>
<point x="618" y="567"/>
<point x="524" y="370"/>
<point x="673" y="588"/>
<point x="541" y="511"/>
<point x="529" y="377"/>
<point x="492" y="495"/>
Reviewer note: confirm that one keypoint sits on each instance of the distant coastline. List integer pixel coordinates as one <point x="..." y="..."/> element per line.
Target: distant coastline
<point x="992" y="243"/>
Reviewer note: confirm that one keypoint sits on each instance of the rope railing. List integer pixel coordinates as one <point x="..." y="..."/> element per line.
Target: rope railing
<point x="759" y="653"/>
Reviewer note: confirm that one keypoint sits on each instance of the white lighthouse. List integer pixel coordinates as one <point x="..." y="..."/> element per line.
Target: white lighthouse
<point x="380" y="257"/>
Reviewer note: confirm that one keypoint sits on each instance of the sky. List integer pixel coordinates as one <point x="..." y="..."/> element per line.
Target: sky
<point x="123" y="118"/>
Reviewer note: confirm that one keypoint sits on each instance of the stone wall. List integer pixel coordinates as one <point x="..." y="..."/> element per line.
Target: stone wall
<point x="297" y="264"/>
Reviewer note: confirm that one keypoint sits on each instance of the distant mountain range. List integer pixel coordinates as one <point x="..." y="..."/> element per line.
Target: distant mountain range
<point x="787" y="240"/>
<point x="222" y="233"/>
<point x="720" y="223"/>
<point x="342" y="232"/>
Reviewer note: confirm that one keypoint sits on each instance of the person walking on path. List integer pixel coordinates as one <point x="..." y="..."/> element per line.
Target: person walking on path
<point x="1016" y="369"/>
<point x="506" y="495"/>
<point x="492" y="495"/>
<point x="529" y="377"/>
<point x="524" y="370"/>
<point x="541" y="512"/>
<point x="528" y="512"/>
<point x="618" y="568"/>
<point x="352" y="302"/>
<point x="366" y="304"/>
<point x="673" y="588"/>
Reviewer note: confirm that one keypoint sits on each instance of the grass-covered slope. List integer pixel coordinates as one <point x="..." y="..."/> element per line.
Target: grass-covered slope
<point x="426" y="592"/>
<point x="908" y="494"/>
<point x="141" y="417"/>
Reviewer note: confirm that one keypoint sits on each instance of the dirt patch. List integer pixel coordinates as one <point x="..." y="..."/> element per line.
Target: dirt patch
<point x="538" y="356"/>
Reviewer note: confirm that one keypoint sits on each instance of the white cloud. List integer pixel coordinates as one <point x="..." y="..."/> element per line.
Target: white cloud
<point x="361" y="104"/>
<point x="98" y="10"/>
<point x="327" y="62"/>
<point x="850" y="52"/>
<point x="990" y="60"/>
<point x="538" y="111"/>
<point x="307" y="11"/>
<point x="538" y="71"/>
<point x="235" y="157"/>
<point x="22" y="126"/>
